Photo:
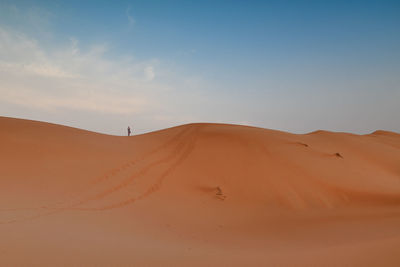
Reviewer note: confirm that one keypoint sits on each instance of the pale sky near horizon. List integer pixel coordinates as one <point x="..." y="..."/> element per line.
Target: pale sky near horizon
<point x="296" y="66"/>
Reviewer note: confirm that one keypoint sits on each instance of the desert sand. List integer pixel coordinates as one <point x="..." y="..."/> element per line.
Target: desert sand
<point x="197" y="195"/>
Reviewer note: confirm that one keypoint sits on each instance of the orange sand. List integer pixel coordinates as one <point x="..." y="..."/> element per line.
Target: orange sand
<point x="197" y="195"/>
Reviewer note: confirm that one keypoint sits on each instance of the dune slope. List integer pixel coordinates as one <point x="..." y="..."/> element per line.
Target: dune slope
<point x="197" y="195"/>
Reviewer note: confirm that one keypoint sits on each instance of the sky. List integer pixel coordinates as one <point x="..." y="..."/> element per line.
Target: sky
<point x="295" y="66"/>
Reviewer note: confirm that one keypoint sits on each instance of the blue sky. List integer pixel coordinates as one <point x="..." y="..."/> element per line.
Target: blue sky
<point x="290" y="65"/>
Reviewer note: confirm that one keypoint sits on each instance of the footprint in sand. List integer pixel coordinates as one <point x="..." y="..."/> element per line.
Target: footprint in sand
<point x="219" y="193"/>
<point x="338" y="155"/>
<point x="302" y="144"/>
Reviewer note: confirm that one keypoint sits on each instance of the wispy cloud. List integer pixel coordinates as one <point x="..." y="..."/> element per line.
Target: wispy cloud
<point x="131" y="20"/>
<point x="69" y="78"/>
<point x="149" y="73"/>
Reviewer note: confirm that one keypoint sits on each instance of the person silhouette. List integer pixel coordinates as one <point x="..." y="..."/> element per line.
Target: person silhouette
<point x="129" y="131"/>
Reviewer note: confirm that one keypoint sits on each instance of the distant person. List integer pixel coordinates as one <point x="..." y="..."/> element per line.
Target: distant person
<point x="129" y="131"/>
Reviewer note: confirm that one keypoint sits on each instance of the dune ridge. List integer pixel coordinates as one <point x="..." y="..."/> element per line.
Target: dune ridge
<point x="198" y="194"/>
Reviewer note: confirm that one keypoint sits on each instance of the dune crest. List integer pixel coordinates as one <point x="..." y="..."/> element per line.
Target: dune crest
<point x="198" y="194"/>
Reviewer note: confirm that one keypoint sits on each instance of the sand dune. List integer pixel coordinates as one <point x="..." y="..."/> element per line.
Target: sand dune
<point x="197" y="195"/>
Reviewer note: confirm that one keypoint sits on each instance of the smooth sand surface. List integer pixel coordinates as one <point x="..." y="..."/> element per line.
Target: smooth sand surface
<point x="197" y="195"/>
